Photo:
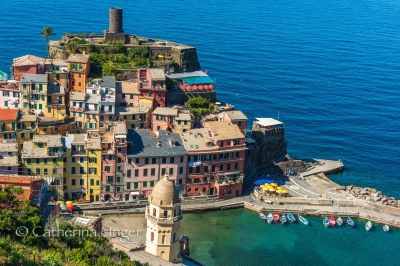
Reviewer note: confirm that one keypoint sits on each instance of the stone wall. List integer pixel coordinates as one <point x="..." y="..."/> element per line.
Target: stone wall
<point x="179" y="97"/>
<point x="186" y="57"/>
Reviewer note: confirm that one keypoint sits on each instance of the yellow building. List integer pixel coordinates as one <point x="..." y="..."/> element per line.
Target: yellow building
<point x="55" y="106"/>
<point x="82" y="167"/>
<point x="26" y="127"/>
<point x="33" y="89"/>
<point x="43" y="157"/>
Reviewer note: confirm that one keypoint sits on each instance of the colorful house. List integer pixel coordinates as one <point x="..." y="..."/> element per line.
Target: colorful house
<point x="34" y="93"/>
<point x="26" y="128"/>
<point x="127" y="94"/>
<point x="76" y="110"/>
<point x="182" y="123"/>
<point x="43" y="157"/>
<point x="163" y="118"/>
<point x="151" y="155"/>
<point x="9" y="159"/>
<point x="55" y="106"/>
<point x="10" y="95"/>
<point x="8" y="125"/>
<point x="79" y="69"/>
<point x="27" y="64"/>
<point x="134" y="117"/>
<point x="82" y="171"/>
<point x="152" y="85"/>
<point x="216" y="159"/>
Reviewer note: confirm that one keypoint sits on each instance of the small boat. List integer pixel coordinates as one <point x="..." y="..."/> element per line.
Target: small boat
<point x="263" y="217"/>
<point x="270" y="218"/>
<point x="332" y="221"/>
<point x="276" y="217"/>
<point x="368" y="226"/>
<point x="326" y="222"/>
<point x="302" y="220"/>
<point x="339" y="221"/>
<point x="283" y="219"/>
<point x="291" y="217"/>
<point x="350" y="222"/>
<point x="386" y="228"/>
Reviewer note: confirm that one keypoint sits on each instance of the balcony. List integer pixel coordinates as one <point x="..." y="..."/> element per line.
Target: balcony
<point x="56" y="123"/>
<point x="119" y="143"/>
<point x="92" y="111"/>
<point x="55" y="103"/>
<point x="169" y="220"/>
<point x="55" y="153"/>
<point x="9" y="140"/>
<point x="76" y="108"/>
<point x="79" y="153"/>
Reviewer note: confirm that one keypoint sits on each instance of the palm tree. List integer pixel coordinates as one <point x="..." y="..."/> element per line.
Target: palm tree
<point x="47" y="32"/>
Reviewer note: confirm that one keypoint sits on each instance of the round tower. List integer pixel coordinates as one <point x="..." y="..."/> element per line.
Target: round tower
<point x="163" y="217"/>
<point x="115" y="23"/>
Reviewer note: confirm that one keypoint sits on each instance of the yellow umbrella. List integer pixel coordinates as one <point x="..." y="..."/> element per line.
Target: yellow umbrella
<point x="271" y="189"/>
<point x="285" y="191"/>
<point x="274" y="184"/>
<point x="279" y="188"/>
<point x="279" y="191"/>
<point x="69" y="203"/>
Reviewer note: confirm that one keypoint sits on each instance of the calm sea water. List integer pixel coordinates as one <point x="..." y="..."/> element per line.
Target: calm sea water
<point x="239" y="237"/>
<point x="328" y="69"/>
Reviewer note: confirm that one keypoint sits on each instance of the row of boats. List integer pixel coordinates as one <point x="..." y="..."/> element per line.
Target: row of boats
<point x="270" y="218"/>
<point x="331" y="221"/>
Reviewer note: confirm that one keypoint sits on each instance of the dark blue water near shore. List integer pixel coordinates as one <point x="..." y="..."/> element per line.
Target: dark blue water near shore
<point x="329" y="69"/>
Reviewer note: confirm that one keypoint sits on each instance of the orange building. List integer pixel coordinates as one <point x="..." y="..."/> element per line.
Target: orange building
<point x="79" y="69"/>
<point x="30" y="185"/>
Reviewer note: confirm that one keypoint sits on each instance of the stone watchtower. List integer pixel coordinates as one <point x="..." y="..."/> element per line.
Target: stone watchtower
<point x="163" y="217"/>
<point x="115" y="32"/>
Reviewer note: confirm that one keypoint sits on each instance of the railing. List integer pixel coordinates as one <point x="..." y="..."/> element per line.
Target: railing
<point x="66" y="121"/>
<point x="55" y="103"/>
<point x="165" y="220"/>
<point x="78" y="153"/>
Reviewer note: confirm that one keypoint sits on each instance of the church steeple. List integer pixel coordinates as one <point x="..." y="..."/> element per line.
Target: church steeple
<point x="163" y="217"/>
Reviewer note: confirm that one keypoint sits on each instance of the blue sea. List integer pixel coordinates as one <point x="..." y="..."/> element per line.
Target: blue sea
<point x="329" y="70"/>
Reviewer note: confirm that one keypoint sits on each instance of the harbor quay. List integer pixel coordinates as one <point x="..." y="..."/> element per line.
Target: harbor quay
<point x="308" y="195"/>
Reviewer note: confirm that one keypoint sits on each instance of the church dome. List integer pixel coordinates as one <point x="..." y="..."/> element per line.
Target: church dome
<point x="164" y="193"/>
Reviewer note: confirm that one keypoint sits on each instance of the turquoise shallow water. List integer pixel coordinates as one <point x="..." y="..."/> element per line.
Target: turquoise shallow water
<point x="239" y="237"/>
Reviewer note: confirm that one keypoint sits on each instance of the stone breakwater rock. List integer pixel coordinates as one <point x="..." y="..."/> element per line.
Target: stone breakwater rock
<point x="372" y="195"/>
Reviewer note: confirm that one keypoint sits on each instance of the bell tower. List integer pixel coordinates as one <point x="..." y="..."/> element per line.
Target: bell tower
<point x="164" y="217"/>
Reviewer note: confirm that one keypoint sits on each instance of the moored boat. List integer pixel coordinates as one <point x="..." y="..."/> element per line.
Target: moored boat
<point x="386" y="228"/>
<point x="368" y="226"/>
<point x="263" y="217"/>
<point x="302" y="220"/>
<point x="339" y="221"/>
<point x="325" y="221"/>
<point x="270" y="218"/>
<point x="350" y="222"/>
<point x="291" y="217"/>
<point x="332" y="221"/>
<point x="283" y="219"/>
<point x="276" y="217"/>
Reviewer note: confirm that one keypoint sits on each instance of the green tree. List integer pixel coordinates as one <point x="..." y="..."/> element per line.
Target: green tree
<point x="199" y="106"/>
<point x="47" y="32"/>
<point x="138" y="52"/>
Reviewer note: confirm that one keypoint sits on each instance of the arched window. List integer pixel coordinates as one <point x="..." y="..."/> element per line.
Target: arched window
<point x="163" y="239"/>
<point x="152" y="236"/>
<point x="165" y="214"/>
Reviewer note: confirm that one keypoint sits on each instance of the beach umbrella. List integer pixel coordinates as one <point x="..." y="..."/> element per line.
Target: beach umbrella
<point x="206" y="87"/>
<point x="182" y="87"/>
<point x="63" y="208"/>
<point x="211" y="87"/>
<point x="201" y="87"/>
<point x="279" y="188"/>
<point x="274" y="184"/>
<point x="188" y="87"/>
<point x="70" y="207"/>
<point x="195" y="87"/>
<point x="279" y="191"/>
<point x="285" y="191"/>
<point x="265" y="188"/>
<point x="69" y="202"/>
<point x="271" y="189"/>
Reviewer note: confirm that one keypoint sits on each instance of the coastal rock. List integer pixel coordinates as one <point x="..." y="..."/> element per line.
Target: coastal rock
<point x="385" y="202"/>
<point x="372" y="190"/>
<point x="379" y="193"/>
<point x="349" y="188"/>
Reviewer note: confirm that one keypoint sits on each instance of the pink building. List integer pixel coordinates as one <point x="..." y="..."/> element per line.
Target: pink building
<point x="27" y="64"/>
<point x="8" y="159"/>
<point x="152" y="85"/>
<point x="163" y="118"/>
<point x="127" y="94"/>
<point x="152" y="155"/>
<point x="10" y="95"/>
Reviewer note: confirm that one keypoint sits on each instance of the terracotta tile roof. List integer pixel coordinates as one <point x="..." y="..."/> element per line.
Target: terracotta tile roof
<point x="27" y="60"/>
<point x="127" y="87"/>
<point x="17" y="179"/>
<point x="8" y="114"/>
<point x="78" y="58"/>
<point x="224" y="130"/>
